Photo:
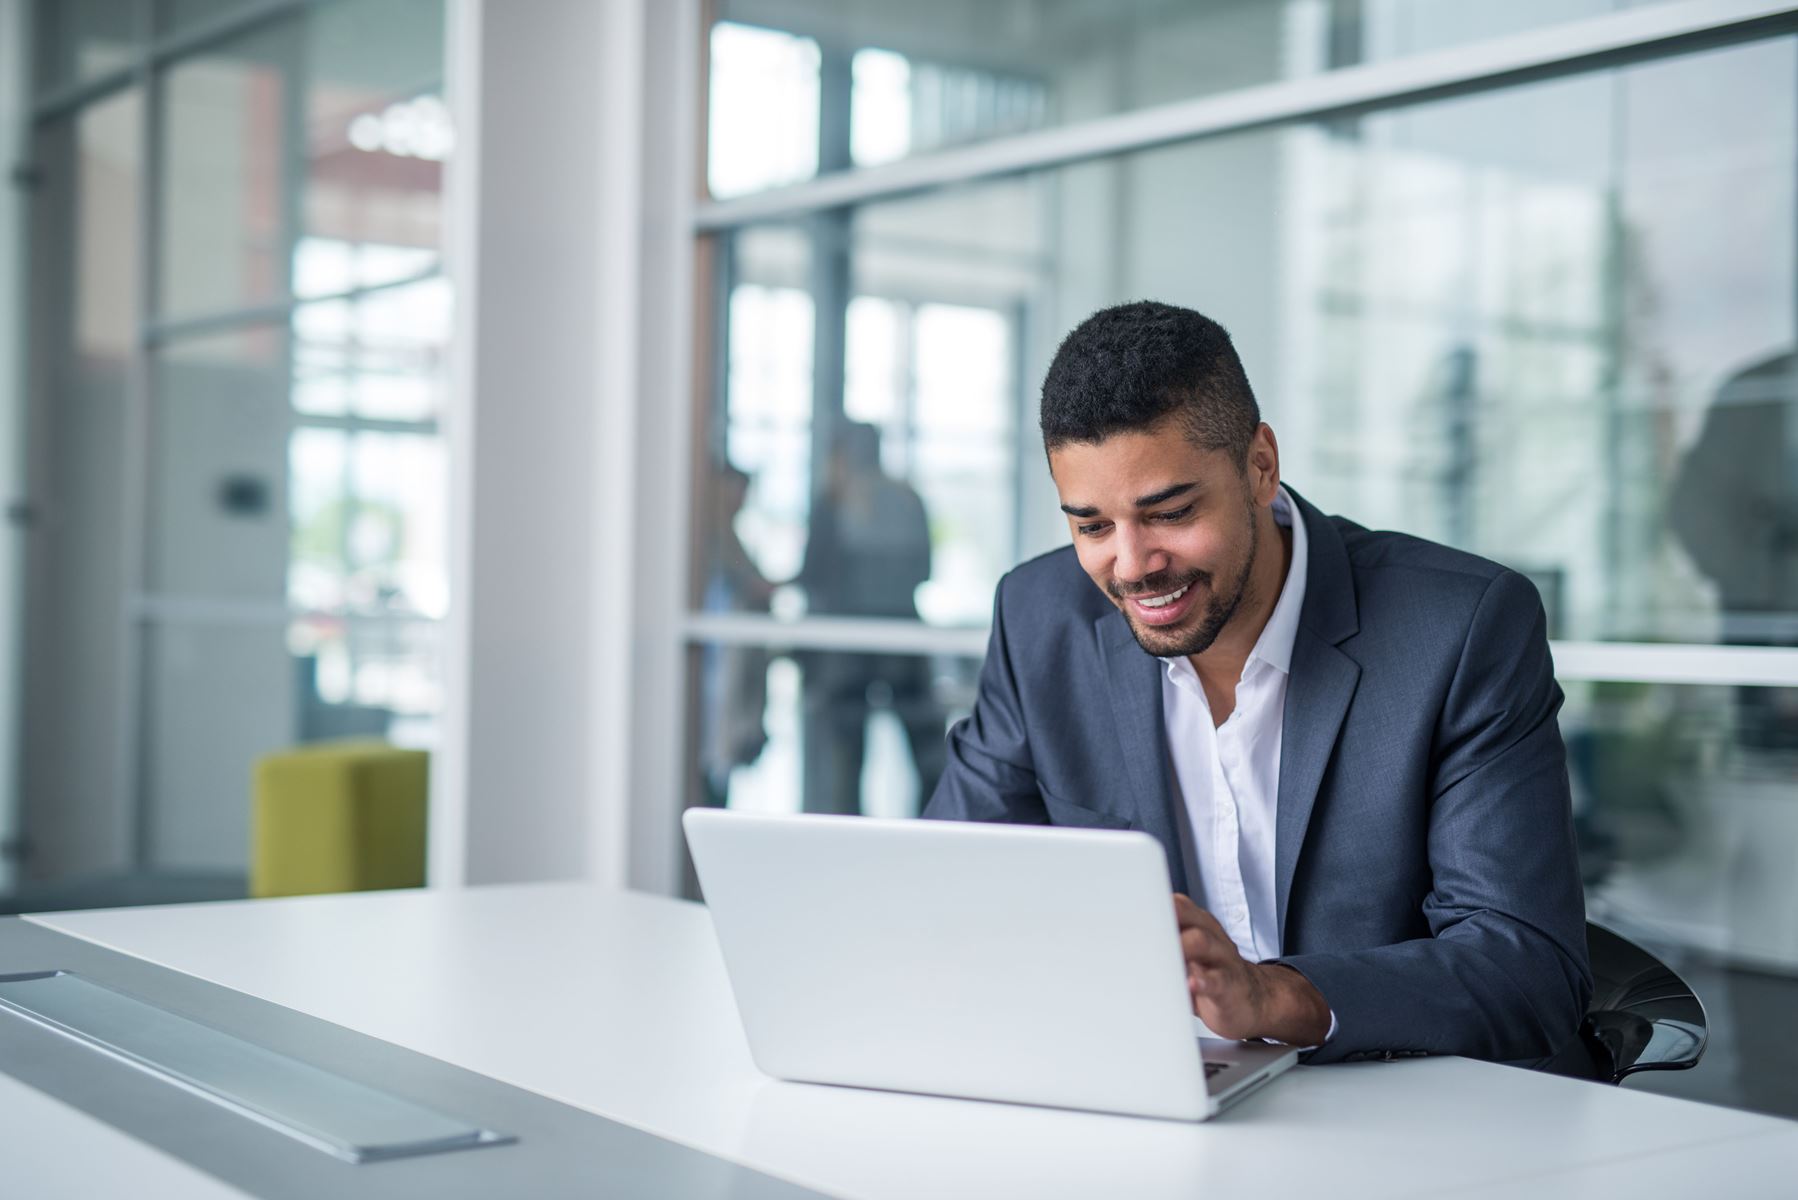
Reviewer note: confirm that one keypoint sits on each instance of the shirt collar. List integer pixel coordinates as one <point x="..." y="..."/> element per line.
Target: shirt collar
<point x="1274" y="646"/>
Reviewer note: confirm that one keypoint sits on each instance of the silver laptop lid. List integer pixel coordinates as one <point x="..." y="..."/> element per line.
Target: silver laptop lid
<point x="990" y="961"/>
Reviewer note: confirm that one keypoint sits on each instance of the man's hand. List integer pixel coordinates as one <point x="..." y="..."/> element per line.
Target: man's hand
<point x="1240" y="999"/>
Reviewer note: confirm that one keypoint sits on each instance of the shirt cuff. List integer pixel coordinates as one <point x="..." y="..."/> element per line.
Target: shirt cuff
<point x="1328" y="1037"/>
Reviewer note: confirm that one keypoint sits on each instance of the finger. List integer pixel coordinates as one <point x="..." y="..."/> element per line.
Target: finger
<point x="1220" y="980"/>
<point x="1207" y="949"/>
<point x="1219" y="1000"/>
<point x="1190" y="916"/>
<point x="1203" y="919"/>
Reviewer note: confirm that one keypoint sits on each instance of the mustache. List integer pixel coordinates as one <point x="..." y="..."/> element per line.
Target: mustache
<point x="1158" y="584"/>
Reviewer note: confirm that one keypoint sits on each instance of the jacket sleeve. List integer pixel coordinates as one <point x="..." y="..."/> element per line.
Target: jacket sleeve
<point x="1505" y="975"/>
<point x="990" y="774"/>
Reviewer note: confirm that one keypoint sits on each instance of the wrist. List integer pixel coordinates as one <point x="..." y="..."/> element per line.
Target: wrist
<point x="1296" y="1012"/>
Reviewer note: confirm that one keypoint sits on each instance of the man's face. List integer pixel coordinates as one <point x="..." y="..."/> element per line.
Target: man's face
<point x="1166" y="529"/>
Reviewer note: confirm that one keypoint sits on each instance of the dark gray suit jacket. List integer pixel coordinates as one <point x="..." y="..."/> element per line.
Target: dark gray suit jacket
<point x="1425" y="870"/>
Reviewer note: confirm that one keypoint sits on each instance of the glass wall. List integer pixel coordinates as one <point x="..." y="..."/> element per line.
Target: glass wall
<point x="913" y="78"/>
<point x="1549" y="322"/>
<point x="85" y="276"/>
<point x="238" y="342"/>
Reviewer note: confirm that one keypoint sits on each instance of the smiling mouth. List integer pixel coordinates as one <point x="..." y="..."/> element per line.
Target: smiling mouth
<point x="1164" y="601"/>
<point x="1165" y="608"/>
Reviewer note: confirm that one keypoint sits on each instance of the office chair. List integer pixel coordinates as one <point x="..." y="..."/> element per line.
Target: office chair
<point x="1643" y="1017"/>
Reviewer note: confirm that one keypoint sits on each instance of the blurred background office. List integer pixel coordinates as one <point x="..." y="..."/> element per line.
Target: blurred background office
<point x="632" y="403"/>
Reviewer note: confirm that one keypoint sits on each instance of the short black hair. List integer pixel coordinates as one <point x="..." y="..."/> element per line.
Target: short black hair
<point x="1126" y="368"/>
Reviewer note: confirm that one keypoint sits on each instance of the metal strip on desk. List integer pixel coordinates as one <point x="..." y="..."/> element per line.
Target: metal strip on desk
<point x="351" y="1120"/>
<point x="219" y="1043"/>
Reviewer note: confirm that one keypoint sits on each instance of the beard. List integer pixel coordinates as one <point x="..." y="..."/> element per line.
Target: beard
<point x="1218" y="608"/>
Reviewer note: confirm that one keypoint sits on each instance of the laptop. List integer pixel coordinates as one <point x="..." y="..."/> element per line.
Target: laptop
<point x="992" y="962"/>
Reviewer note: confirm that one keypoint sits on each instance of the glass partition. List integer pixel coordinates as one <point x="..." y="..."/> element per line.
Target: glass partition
<point x="790" y="730"/>
<point x="1531" y="348"/>
<point x="224" y="204"/>
<point x="85" y="275"/>
<point x="239" y="465"/>
<point x="81" y="40"/>
<point x="905" y="79"/>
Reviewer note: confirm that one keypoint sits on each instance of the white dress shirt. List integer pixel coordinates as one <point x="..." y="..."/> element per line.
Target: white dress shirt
<point x="1229" y="775"/>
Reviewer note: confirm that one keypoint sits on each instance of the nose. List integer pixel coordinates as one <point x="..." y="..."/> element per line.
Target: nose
<point x="1138" y="557"/>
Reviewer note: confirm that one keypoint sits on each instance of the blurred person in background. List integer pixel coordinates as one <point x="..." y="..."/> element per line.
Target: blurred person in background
<point x="1734" y="507"/>
<point x="733" y="680"/>
<point x="867" y="551"/>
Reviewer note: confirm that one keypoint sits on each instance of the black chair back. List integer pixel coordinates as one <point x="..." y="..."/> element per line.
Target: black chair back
<point x="1643" y="1017"/>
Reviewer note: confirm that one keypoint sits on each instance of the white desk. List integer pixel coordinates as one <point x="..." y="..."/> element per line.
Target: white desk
<point x="617" y="1003"/>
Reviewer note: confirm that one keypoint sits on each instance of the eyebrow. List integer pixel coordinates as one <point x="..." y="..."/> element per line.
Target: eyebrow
<point x="1148" y="501"/>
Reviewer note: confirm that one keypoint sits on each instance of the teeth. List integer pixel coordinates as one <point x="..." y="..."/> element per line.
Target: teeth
<point x="1162" y="601"/>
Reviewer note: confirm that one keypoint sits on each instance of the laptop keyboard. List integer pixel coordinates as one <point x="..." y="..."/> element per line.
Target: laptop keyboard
<point x="1212" y="1068"/>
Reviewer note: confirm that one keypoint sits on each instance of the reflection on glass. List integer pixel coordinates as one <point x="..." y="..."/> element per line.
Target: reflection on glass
<point x="378" y="355"/>
<point x="1734" y="507"/>
<point x="764" y="109"/>
<point x="218" y="697"/>
<point x="879" y="757"/>
<point x="182" y="14"/>
<point x="215" y="697"/>
<point x="906" y="466"/>
<point x="377" y="135"/>
<point x="768" y="422"/>
<point x="224" y="229"/>
<point x="79" y="40"/>
<point x="1487" y="314"/>
<point x="97" y="166"/>
<point x="82" y="335"/>
<point x="218" y="472"/>
<point x="361" y="676"/>
<point x="246" y="214"/>
<point x="367" y="522"/>
<point x="924" y="76"/>
<point x="1686" y="806"/>
<point x="899" y="106"/>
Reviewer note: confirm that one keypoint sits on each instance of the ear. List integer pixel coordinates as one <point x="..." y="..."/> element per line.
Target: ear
<point x="1263" y="465"/>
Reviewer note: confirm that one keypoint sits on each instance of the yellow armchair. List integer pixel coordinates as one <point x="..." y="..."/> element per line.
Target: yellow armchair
<point x="345" y="816"/>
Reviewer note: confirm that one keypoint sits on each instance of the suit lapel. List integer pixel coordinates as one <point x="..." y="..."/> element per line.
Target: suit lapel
<point x="1317" y="698"/>
<point x="1318" y="692"/>
<point x="1134" y="677"/>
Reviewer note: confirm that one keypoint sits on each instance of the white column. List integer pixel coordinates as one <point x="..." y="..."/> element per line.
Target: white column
<point x="566" y="409"/>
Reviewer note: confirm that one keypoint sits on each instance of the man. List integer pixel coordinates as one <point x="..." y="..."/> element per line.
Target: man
<point x="1344" y="740"/>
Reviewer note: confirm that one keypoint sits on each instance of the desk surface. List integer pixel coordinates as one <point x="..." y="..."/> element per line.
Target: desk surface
<point x="617" y="1003"/>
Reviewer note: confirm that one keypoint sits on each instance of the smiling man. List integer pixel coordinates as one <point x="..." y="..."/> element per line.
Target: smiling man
<point x="1344" y="740"/>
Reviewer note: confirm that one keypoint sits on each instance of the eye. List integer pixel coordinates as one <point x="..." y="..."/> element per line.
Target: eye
<point x="1175" y="514"/>
<point x="1091" y="530"/>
